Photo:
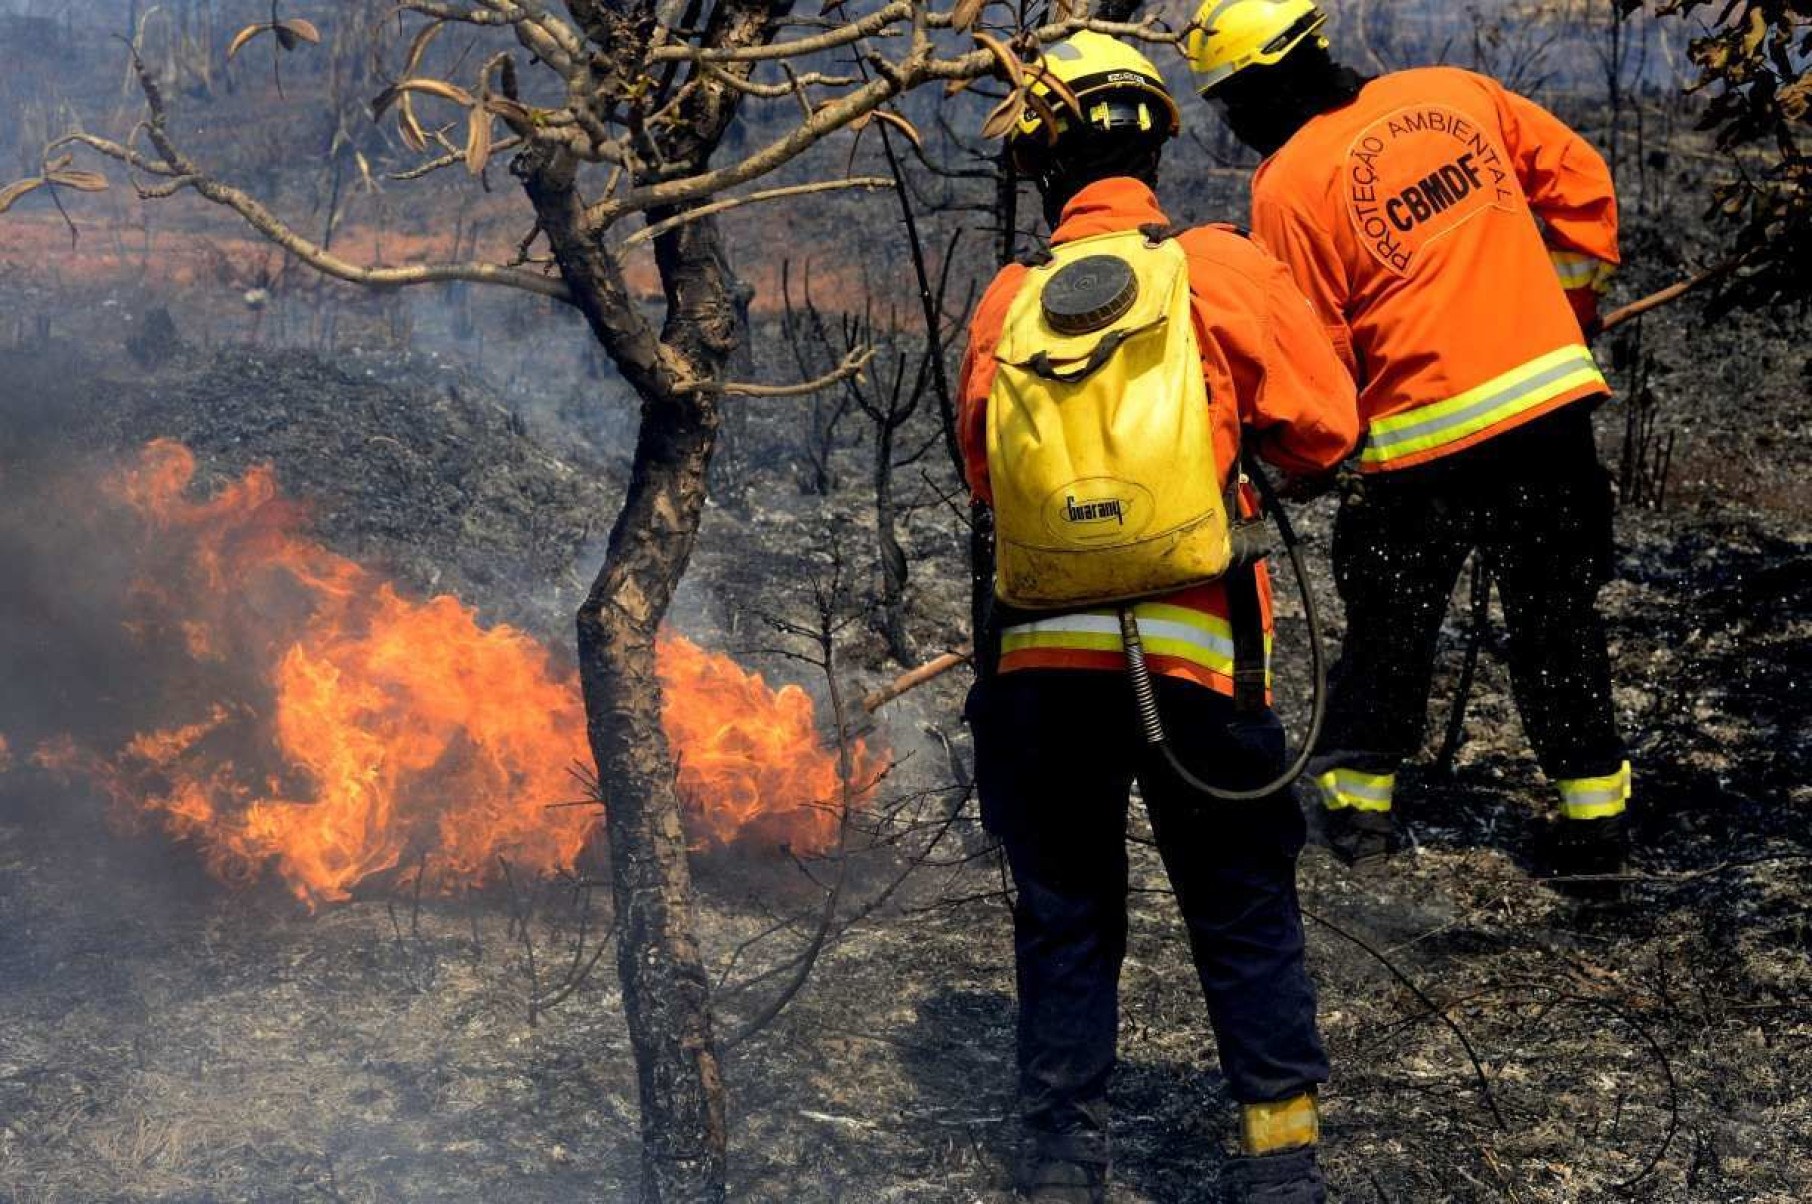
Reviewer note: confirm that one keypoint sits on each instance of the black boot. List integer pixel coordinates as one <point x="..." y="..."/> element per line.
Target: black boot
<point x="1287" y="1177"/>
<point x="1054" y="1181"/>
<point x="1360" y="838"/>
<point x="1589" y="855"/>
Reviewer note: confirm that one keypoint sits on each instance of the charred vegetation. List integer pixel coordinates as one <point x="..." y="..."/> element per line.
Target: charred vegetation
<point x="653" y="421"/>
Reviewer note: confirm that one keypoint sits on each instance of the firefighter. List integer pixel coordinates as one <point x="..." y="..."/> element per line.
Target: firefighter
<point x="1056" y="739"/>
<point x="1454" y="237"/>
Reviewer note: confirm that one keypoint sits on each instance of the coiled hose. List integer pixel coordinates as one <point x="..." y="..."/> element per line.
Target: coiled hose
<point x="1145" y="695"/>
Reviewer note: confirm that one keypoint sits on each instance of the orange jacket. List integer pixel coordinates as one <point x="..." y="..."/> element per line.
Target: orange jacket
<point x="1435" y="224"/>
<point x="1261" y="347"/>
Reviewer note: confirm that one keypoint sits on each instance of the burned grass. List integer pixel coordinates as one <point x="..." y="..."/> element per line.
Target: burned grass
<point x="166" y="1038"/>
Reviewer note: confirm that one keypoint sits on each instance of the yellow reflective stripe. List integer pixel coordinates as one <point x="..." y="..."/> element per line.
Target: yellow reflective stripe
<point x="1284" y="1125"/>
<point x="1575" y="271"/>
<point x="1535" y="383"/>
<point x="1350" y="788"/>
<point x="1580" y="271"/>
<point x="1098" y="632"/>
<point x="1189" y="650"/>
<point x="1173" y="631"/>
<point x="1595" y="798"/>
<point x="1084" y="641"/>
<point x="1164" y="612"/>
<point x="1019" y="641"/>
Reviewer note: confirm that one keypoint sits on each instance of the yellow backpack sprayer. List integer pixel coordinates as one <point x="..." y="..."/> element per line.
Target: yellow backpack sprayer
<point x="1101" y="454"/>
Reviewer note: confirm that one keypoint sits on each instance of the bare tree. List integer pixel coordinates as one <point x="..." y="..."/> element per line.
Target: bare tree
<point x="622" y="119"/>
<point x="823" y="431"/>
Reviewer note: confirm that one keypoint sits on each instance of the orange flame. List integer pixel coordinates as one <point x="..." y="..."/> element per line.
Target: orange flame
<point x="383" y="729"/>
<point x="742" y="766"/>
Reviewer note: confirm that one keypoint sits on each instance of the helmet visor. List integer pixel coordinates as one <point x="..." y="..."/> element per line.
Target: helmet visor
<point x="1270" y="52"/>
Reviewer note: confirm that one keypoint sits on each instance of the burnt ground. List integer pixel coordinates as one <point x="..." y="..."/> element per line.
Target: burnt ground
<point x="165" y="1038"/>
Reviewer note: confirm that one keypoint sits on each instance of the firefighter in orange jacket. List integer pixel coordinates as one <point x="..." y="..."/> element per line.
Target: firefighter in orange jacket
<point x="1056" y="736"/>
<point x="1453" y="236"/>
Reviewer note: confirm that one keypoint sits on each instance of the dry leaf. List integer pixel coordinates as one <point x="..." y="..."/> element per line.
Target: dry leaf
<point x="1047" y="116"/>
<point x="414" y="136"/>
<point x="510" y="110"/>
<point x="440" y="88"/>
<point x="408" y="125"/>
<point x="1047" y="79"/>
<point x="12" y="192"/>
<point x="1758" y="29"/>
<point x="433" y="87"/>
<point x="901" y="124"/>
<point x="1004" y="116"/>
<point x="1010" y="66"/>
<point x="478" y="140"/>
<point x="303" y="29"/>
<point x="418" y="46"/>
<point x="243" y="36"/>
<point x="81" y="181"/>
<point x="965" y="13"/>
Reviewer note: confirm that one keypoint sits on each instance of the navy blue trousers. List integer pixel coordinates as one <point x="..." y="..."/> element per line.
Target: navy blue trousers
<point x="1056" y="756"/>
<point x="1537" y="503"/>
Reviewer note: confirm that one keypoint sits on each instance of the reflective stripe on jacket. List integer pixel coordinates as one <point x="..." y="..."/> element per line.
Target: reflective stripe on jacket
<point x="1186" y="635"/>
<point x="1268" y="365"/>
<point x="1436" y="224"/>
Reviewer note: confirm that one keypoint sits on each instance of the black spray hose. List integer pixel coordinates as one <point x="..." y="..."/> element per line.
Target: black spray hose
<point x="1145" y="697"/>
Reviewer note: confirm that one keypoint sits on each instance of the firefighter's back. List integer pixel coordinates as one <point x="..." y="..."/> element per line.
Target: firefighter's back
<point x="1458" y="324"/>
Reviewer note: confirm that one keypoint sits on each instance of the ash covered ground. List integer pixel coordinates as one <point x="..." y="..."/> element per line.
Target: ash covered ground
<point x="164" y="1037"/>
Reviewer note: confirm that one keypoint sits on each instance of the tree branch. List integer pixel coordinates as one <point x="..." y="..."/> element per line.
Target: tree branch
<point x="181" y="172"/>
<point x="917" y="68"/>
<point x="1674" y="292"/>
<point x="913" y="679"/>
<point x="542" y="34"/>
<point x="594" y="278"/>
<point x="852" y="365"/>
<point x="873" y="25"/>
<point x="866" y="183"/>
<point x="455" y="158"/>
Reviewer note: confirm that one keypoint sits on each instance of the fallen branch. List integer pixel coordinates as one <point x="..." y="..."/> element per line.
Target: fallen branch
<point x="912" y="680"/>
<point x="1673" y="292"/>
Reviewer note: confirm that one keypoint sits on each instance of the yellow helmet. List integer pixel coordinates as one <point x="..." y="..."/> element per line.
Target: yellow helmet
<point x="1090" y="64"/>
<point x="1227" y="36"/>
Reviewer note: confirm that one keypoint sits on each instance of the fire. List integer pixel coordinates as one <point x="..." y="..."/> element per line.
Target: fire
<point x="741" y="762"/>
<point x="363" y="730"/>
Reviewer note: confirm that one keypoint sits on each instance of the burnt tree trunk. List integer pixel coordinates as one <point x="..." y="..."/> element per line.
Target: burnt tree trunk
<point x="666" y="995"/>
